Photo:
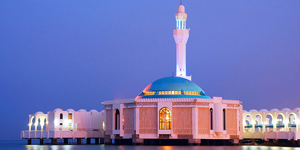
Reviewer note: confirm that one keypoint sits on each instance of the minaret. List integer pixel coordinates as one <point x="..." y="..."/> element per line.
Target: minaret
<point x="181" y="35"/>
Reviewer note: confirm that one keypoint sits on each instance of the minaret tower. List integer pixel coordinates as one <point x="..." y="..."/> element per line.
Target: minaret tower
<point x="181" y="35"/>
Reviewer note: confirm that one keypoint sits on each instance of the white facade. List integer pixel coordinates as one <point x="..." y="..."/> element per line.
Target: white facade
<point x="65" y="124"/>
<point x="273" y="124"/>
<point x="187" y="118"/>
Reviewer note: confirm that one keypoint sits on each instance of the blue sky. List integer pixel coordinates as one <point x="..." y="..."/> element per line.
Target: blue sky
<point x="76" y="54"/>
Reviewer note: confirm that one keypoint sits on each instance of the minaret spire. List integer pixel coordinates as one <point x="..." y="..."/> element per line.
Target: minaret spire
<point x="181" y="35"/>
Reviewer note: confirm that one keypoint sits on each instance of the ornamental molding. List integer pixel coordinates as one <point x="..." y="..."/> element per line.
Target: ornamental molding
<point x="183" y="103"/>
<point x="146" y="104"/>
<point x="130" y="105"/>
<point x="202" y="104"/>
<point x="107" y="106"/>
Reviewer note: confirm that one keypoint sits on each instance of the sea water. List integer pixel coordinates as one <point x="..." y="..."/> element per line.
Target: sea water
<point x="21" y="145"/>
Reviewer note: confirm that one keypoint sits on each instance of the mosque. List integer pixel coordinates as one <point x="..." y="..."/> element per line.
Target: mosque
<point x="170" y="108"/>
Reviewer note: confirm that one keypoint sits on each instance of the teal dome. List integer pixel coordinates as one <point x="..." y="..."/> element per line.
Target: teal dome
<point x="173" y="87"/>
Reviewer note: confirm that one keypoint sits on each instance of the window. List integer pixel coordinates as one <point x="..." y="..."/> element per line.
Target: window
<point x="165" y="119"/>
<point x="224" y="119"/>
<point x="117" y="119"/>
<point x="149" y="93"/>
<point x="191" y="93"/>
<point x="211" y="119"/>
<point x="70" y="116"/>
<point x="123" y="121"/>
<point x="61" y="124"/>
<point x="169" y="93"/>
<point x="61" y="116"/>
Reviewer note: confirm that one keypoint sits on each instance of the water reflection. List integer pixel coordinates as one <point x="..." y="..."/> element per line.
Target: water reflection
<point x="112" y="147"/>
<point x="268" y="148"/>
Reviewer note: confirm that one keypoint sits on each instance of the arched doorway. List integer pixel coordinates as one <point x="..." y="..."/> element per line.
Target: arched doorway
<point x="165" y="119"/>
<point x="248" y="125"/>
<point x="117" y="119"/>
<point x="269" y="123"/>
<point x="280" y="124"/>
<point x="292" y="122"/>
<point x="258" y="123"/>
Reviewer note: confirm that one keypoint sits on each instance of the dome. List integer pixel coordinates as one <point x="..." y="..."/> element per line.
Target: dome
<point x="274" y="109"/>
<point x="263" y="110"/>
<point x="181" y="9"/>
<point x="252" y="110"/>
<point x="58" y="109"/>
<point x="285" y="109"/>
<point x="39" y="112"/>
<point x="93" y="110"/>
<point x="296" y="109"/>
<point x="70" y="110"/>
<point x="173" y="87"/>
<point x="82" y="110"/>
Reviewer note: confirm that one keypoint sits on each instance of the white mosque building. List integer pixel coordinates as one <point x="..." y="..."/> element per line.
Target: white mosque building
<point x="170" y="108"/>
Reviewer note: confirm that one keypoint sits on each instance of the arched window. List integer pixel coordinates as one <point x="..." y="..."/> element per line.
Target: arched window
<point x="165" y="118"/>
<point x="224" y="119"/>
<point x="211" y="118"/>
<point x="61" y="116"/>
<point x="117" y="119"/>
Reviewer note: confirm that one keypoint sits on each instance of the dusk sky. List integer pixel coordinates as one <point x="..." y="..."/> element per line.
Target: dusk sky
<point x="76" y="54"/>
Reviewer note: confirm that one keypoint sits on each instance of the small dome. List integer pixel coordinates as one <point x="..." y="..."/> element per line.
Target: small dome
<point x="70" y="110"/>
<point x="274" y="109"/>
<point x="181" y="9"/>
<point x="58" y="109"/>
<point x="39" y="112"/>
<point x="296" y="109"/>
<point x="93" y="110"/>
<point x="253" y="110"/>
<point x="82" y="110"/>
<point x="173" y="87"/>
<point x="244" y="111"/>
<point x="263" y="110"/>
<point x="285" y="109"/>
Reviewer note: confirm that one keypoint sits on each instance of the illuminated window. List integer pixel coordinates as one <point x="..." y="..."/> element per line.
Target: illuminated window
<point x="165" y="119"/>
<point x="191" y="93"/>
<point x="123" y="121"/>
<point x="70" y="116"/>
<point x="103" y="125"/>
<point x="149" y="93"/>
<point x="169" y="93"/>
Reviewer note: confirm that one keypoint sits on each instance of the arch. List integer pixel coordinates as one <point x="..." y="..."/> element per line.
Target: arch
<point x="280" y="122"/>
<point x="292" y="118"/>
<point x="258" y="123"/>
<point x="165" y="119"/>
<point x="39" y="127"/>
<point x="32" y="123"/>
<point x="117" y="119"/>
<point x="269" y="122"/>
<point x="248" y="123"/>
<point x="248" y="119"/>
